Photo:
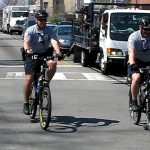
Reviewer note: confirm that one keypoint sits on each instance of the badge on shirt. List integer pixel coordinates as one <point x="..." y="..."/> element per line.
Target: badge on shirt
<point x="45" y="37"/>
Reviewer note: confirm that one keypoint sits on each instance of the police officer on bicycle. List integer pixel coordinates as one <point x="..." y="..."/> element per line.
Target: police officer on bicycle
<point x="139" y="56"/>
<point x="37" y="39"/>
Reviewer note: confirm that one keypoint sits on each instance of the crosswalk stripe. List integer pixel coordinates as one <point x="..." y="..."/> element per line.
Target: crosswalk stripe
<point x="59" y="66"/>
<point x="62" y="76"/>
<point x="94" y="76"/>
<point x="65" y="76"/>
<point x="59" y="76"/>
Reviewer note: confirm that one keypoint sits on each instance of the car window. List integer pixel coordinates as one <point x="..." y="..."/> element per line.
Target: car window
<point x="64" y="30"/>
<point x="19" y="22"/>
<point x="52" y="27"/>
<point x="65" y="23"/>
<point x="30" y="23"/>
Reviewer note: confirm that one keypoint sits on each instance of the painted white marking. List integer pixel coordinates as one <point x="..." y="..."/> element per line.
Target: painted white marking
<point x="15" y="66"/>
<point x="94" y="76"/>
<point x="19" y="75"/>
<point x="62" y="76"/>
<point x="59" y="76"/>
<point x="21" y="66"/>
<point x="10" y="75"/>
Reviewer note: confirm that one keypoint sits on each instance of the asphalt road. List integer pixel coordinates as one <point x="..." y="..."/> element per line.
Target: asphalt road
<point x="90" y="110"/>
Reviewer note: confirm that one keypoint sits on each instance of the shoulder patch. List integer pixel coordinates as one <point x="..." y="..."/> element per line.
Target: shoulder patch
<point x="130" y="41"/>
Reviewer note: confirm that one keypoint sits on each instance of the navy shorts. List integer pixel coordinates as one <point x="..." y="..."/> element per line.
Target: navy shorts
<point x="140" y="64"/>
<point x="31" y="65"/>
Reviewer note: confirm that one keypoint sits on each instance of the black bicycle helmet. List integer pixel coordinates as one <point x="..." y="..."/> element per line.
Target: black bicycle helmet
<point x="145" y="22"/>
<point x="41" y="14"/>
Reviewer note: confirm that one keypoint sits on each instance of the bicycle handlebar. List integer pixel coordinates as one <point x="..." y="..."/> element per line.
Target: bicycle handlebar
<point x="146" y="69"/>
<point x="40" y="56"/>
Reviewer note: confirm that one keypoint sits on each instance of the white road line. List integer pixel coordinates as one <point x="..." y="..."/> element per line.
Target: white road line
<point x="15" y="66"/>
<point x="21" y="66"/>
<point x="94" y="76"/>
<point x="59" y="76"/>
<point x="63" y="76"/>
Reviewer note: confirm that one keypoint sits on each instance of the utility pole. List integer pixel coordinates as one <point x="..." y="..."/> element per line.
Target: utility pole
<point x="78" y="4"/>
<point x="41" y="4"/>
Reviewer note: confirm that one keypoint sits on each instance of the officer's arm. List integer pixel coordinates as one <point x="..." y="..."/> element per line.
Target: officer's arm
<point x="131" y="56"/>
<point x="55" y="45"/>
<point x="26" y="45"/>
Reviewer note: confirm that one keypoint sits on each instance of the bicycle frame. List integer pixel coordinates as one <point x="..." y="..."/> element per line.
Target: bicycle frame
<point x="143" y="98"/>
<point x="40" y="77"/>
<point x="42" y="94"/>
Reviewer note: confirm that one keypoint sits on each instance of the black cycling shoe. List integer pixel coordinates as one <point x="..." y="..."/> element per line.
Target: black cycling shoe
<point x="134" y="105"/>
<point x="26" y="109"/>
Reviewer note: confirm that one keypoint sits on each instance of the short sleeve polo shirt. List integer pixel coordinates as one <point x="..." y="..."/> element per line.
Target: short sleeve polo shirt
<point x="141" y="46"/>
<point x="39" y="39"/>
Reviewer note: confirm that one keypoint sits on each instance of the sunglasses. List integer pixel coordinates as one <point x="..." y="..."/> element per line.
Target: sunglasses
<point x="42" y="20"/>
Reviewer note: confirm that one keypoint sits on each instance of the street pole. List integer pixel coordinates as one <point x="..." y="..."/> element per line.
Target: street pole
<point x="41" y="4"/>
<point x="77" y="5"/>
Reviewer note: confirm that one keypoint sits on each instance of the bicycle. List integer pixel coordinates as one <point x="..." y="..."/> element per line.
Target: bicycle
<point x="143" y="98"/>
<point x="40" y="93"/>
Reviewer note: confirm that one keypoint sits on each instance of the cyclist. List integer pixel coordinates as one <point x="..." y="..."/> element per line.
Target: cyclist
<point x="37" y="39"/>
<point x="139" y="56"/>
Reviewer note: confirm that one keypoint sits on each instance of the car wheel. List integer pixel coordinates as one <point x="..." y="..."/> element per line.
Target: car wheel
<point x="103" y="65"/>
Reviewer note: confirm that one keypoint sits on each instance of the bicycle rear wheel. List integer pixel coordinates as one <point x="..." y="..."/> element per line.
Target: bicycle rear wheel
<point x="33" y="102"/>
<point x="135" y="115"/>
<point x="45" y="107"/>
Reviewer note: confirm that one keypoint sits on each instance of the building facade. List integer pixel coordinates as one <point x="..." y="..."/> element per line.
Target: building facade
<point x="142" y="2"/>
<point x="61" y="8"/>
<point x="67" y="7"/>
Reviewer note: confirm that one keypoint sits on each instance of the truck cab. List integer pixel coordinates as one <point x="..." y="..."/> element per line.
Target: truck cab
<point x="101" y="33"/>
<point x="116" y="26"/>
<point x="13" y="18"/>
<point x="17" y="20"/>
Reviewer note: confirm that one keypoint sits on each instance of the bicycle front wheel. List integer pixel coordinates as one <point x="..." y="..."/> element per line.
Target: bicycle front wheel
<point x="33" y="102"/>
<point x="45" y="107"/>
<point x="135" y="115"/>
<point x="148" y="113"/>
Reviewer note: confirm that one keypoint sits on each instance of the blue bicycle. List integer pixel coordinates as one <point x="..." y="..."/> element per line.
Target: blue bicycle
<point x="40" y="94"/>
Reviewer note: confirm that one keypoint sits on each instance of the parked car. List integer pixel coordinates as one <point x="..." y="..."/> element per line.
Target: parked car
<point x="65" y="23"/>
<point x="17" y="27"/>
<point x="52" y="26"/>
<point x="29" y="22"/>
<point x="65" y="36"/>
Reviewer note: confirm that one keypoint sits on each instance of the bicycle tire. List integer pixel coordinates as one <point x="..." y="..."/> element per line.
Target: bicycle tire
<point x="148" y="113"/>
<point x="135" y="115"/>
<point x="45" y="106"/>
<point x="33" y="102"/>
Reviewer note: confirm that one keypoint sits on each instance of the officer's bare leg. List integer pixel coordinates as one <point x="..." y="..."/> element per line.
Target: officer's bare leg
<point x="27" y="86"/>
<point x="135" y="85"/>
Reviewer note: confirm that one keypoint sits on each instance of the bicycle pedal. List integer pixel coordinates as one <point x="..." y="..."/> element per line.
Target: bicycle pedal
<point x="46" y="83"/>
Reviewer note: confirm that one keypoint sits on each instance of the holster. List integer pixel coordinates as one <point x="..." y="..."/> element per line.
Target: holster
<point x="23" y="53"/>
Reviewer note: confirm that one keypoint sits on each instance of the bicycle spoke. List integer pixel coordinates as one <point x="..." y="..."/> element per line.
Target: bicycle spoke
<point x="45" y="108"/>
<point x="135" y="116"/>
<point x="33" y="103"/>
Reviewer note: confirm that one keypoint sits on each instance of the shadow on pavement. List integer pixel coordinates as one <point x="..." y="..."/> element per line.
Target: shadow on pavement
<point x="68" y="124"/>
